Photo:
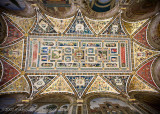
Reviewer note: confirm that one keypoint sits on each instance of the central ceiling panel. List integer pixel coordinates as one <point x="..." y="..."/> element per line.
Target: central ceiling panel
<point x="69" y="54"/>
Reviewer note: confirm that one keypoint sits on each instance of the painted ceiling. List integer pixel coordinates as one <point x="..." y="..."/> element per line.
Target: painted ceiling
<point x="77" y="55"/>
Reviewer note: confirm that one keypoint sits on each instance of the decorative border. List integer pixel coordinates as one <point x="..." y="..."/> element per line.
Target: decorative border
<point x="144" y="84"/>
<point x="42" y="87"/>
<point x="58" y="91"/>
<point x="78" y="11"/>
<point x="21" y="18"/>
<point x="86" y="85"/>
<point x="145" y="59"/>
<point x="120" y="76"/>
<point x="7" y="31"/>
<point x="16" y="91"/>
<point x="22" y="52"/>
<point x="135" y="22"/>
<point x="111" y="22"/>
<point x="101" y="91"/>
<point x="88" y="38"/>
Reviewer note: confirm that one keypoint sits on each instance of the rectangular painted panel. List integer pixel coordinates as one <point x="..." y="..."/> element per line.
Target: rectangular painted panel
<point x="69" y="54"/>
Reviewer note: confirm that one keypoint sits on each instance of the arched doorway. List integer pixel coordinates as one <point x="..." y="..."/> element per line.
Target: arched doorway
<point x="109" y="104"/>
<point x="52" y="104"/>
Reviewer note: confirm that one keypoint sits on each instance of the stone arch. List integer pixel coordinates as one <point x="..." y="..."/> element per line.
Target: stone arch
<point x="147" y="100"/>
<point x="95" y="95"/>
<point x="58" y="12"/>
<point x="17" y="96"/>
<point x="139" y="10"/>
<point x="154" y="32"/>
<point x="102" y="6"/>
<point x="114" y="107"/>
<point x="57" y="99"/>
<point x="156" y="71"/>
<point x="82" y="5"/>
<point x="28" y="11"/>
<point x="8" y="102"/>
<point x="3" y="30"/>
<point x="70" y="97"/>
<point x="99" y="15"/>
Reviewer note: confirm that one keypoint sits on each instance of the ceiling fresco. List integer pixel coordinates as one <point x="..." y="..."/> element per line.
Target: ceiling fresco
<point x="77" y="55"/>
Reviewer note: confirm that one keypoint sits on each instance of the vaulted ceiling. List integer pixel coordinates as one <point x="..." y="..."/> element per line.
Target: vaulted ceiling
<point x="78" y="55"/>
